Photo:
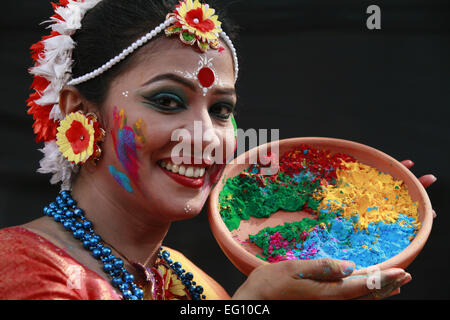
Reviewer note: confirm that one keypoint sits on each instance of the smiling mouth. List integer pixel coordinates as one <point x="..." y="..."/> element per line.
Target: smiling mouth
<point x="183" y="170"/>
<point x="192" y="176"/>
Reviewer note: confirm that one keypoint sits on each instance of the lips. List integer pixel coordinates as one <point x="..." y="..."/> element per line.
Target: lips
<point x="192" y="176"/>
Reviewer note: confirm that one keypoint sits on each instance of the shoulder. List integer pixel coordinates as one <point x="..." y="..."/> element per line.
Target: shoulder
<point x="34" y="268"/>
<point x="28" y="267"/>
<point x="212" y="289"/>
<point x="20" y="243"/>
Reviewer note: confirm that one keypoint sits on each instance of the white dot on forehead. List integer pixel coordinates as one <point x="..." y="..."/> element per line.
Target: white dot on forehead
<point x="125" y="94"/>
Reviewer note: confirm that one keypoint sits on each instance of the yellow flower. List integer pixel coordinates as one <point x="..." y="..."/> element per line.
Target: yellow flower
<point x="196" y="22"/>
<point x="75" y="138"/>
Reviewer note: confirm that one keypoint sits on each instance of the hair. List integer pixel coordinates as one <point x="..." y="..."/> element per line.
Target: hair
<point x="113" y="25"/>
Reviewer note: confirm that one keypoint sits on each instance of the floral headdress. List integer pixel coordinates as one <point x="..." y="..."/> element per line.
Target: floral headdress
<point x="194" y="22"/>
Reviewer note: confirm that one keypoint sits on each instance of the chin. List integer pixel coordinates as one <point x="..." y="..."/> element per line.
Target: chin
<point x="182" y="211"/>
<point x="180" y="191"/>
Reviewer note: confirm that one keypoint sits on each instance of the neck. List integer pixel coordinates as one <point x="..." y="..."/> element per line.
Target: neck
<point x="130" y="230"/>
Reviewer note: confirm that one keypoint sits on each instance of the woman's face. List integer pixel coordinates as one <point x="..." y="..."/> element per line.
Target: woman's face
<point x="159" y="95"/>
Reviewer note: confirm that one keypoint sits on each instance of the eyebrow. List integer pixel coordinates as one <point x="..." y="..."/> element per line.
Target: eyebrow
<point x="187" y="83"/>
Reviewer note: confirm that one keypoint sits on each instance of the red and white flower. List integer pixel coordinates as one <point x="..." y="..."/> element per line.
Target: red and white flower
<point x="196" y="22"/>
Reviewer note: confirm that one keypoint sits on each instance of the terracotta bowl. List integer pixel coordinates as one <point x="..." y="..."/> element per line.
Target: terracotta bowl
<point x="243" y="254"/>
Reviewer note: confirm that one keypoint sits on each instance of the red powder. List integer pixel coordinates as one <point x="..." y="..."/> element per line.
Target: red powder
<point x="321" y="163"/>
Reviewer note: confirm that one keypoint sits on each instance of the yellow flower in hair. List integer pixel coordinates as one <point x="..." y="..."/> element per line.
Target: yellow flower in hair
<point x="196" y="22"/>
<point x="75" y="138"/>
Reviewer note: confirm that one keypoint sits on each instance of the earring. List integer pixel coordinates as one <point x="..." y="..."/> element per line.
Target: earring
<point x="78" y="137"/>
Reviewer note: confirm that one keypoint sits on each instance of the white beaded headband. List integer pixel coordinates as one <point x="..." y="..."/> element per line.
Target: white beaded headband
<point x="142" y="41"/>
<point x="53" y="67"/>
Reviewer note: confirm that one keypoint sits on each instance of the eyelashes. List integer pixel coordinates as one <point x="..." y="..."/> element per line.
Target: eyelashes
<point x="221" y="110"/>
<point x="168" y="102"/>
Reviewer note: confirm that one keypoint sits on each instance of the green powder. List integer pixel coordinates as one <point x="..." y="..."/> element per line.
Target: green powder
<point x="253" y="195"/>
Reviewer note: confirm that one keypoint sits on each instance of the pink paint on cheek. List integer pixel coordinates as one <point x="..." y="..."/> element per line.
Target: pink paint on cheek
<point x="124" y="138"/>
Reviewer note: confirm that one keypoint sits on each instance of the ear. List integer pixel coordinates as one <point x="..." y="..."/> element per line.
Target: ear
<point x="71" y="100"/>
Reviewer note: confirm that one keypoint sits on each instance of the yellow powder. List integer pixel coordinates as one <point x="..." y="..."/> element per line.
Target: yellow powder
<point x="373" y="195"/>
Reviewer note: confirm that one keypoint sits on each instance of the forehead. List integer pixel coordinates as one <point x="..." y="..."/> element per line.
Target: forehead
<point x="170" y="55"/>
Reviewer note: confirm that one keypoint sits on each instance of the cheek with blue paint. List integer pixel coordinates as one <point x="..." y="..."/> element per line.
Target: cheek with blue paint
<point x="121" y="179"/>
<point x="126" y="150"/>
<point x="125" y="144"/>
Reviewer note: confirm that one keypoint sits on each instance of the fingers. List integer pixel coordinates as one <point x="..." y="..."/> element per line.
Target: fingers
<point x="407" y="163"/>
<point x="375" y="286"/>
<point x="389" y="290"/>
<point x="395" y="292"/>
<point x="322" y="279"/>
<point x="427" y="180"/>
<point x="321" y="269"/>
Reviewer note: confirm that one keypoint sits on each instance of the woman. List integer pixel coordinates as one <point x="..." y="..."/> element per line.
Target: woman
<point x="108" y="130"/>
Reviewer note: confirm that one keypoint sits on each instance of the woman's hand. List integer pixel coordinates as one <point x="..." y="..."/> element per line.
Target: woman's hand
<point x="318" y="279"/>
<point x="426" y="180"/>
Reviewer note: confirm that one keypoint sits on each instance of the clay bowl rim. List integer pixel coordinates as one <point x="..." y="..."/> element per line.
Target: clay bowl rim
<point x="248" y="261"/>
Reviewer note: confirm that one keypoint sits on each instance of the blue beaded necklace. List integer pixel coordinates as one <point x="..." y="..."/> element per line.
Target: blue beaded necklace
<point x="65" y="211"/>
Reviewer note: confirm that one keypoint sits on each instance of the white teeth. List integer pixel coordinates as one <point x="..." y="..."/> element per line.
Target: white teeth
<point x="190" y="172"/>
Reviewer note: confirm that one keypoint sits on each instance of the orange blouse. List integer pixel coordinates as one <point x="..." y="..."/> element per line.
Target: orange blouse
<point x="33" y="268"/>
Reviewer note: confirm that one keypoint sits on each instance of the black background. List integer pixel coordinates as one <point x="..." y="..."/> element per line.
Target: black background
<point x="308" y="68"/>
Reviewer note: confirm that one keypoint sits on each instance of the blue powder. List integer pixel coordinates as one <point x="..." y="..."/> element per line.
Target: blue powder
<point x="304" y="176"/>
<point x="341" y="241"/>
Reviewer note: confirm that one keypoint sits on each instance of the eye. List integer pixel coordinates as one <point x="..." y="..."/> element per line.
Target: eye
<point x="221" y="110"/>
<point x="167" y="102"/>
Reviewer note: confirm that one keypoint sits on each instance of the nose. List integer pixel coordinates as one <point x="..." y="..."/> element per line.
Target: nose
<point x="200" y="140"/>
<point x="206" y="138"/>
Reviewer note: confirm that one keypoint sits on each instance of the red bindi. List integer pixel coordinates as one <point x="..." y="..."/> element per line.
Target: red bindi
<point x="206" y="77"/>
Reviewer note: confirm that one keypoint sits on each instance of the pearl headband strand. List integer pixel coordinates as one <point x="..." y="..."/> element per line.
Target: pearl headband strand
<point x="142" y="41"/>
